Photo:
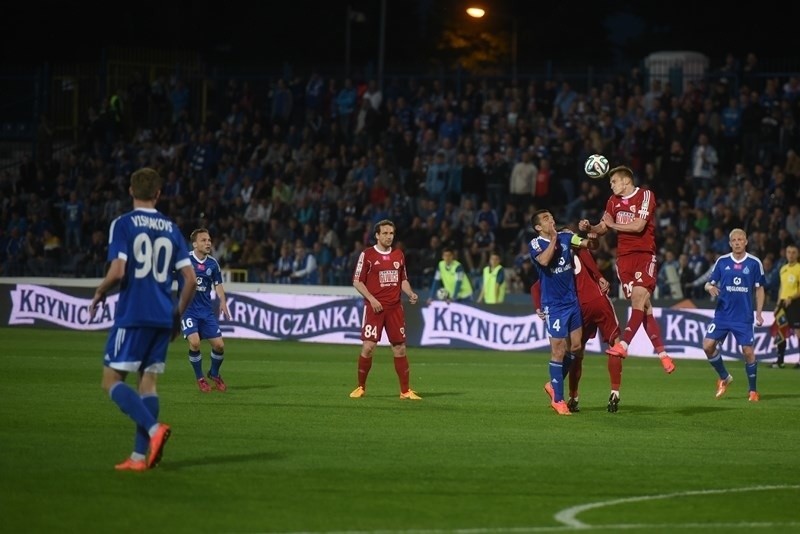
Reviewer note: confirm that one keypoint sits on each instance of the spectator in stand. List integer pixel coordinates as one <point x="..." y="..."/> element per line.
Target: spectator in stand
<point x="304" y="266"/>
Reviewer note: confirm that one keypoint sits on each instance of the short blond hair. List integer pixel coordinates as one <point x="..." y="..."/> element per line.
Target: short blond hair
<point x="737" y="231"/>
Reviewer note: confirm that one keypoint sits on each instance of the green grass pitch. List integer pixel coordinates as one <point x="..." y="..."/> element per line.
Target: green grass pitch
<point x="286" y="449"/>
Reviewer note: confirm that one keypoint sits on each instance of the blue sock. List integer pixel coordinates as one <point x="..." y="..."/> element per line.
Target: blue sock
<point x="216" y="362"/>
<point x="142" y="437"/>
<point x="131" y="405"/>
<point x="719" y="366"/>
<point x="567" y="363"/>
<point x="557" y="380"/>
<point x="752" y="373"/>
<point x="196" y="359"/>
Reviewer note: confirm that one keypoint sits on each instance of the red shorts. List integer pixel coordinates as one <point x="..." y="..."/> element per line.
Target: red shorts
<point x="599" y="314"/>
<point x="392" y="319"/>
<point x="637" y="269"/>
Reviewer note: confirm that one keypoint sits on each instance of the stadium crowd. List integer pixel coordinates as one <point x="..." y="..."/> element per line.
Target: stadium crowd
<point x="290" y="182"/>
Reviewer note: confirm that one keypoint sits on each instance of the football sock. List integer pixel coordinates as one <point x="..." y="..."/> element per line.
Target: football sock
<point x="637" y="316"/>
<point x="132" y="405"/>
<point x="196" y="359"/>
<point x="401" y="366"/>
<point x="569" y="358"/>
<point x="615" y="372"/>
<point x="557" y="380"/>
<point x="142" y="440"/>
<point x="364" y="365"/>
<point x="216" y="362"/>
<point x="719" y="366"/>
<point x="575" y="371"/>
<point x="654" y="333"/>
<point x="781" y="351"/>
<point x="752" y="373"/>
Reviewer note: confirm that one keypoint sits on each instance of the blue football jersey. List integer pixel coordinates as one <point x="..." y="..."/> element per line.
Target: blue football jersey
<point x="208" y="275"/>
<point x="558" y="278"/>
<point x="153" y="248"/>
<point x="737" y="281"/>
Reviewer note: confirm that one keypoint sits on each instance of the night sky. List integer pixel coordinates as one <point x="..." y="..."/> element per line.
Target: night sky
<point x="303" y="31"/>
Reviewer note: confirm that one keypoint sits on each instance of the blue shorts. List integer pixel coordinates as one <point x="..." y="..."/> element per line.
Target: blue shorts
<point x="743" y="333"/>
<point x="563" y="321"/>
<point x="137" y="349"/>
<point x="206" y="325"/>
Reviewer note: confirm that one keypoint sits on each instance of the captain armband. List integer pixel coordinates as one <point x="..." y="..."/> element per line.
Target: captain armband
<point x="576" y="240"/>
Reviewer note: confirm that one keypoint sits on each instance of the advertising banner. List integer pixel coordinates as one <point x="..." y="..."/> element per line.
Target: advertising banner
<point x="337" y="319"/>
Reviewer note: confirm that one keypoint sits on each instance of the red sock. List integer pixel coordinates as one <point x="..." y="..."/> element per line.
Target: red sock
<point x="654" y="333"/>
<point x="364" y="365"/>
<point x="615" y="372"/>
<point x="401" y="366"/>
<point x="575" y="371"/>
<point x="637" y="316"/>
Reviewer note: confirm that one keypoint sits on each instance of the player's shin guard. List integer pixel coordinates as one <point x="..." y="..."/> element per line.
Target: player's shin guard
<point x="615" y="372"/>
<point x="557" y="380"/>
<point x="196" y="359"/>
<point x="401" y="367"/>
<point x="718" y="365"/>
<point x="142" y="437"/>
<point x="364" y="365"/>
<point x="216" y="361"/>
<point x="637" y="317"/>
<point x="569" y="359"/>
<point x="575" y="372"/>
<point x="131" y="405"/>
<point x="752" y="374"/>
<point x="654" y="333"/>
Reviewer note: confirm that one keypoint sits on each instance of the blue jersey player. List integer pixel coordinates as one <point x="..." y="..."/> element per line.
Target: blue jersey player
<point x="734" y="280"/>
<point x="199" y="320"/>
<point x="144" y="248"/>
<point x="551" y="252"/>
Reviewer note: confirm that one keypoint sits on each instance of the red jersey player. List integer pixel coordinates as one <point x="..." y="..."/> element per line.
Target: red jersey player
<point x="596" y="312"/>
<point x="379" y="276"/>
<point x="630" y="212"/>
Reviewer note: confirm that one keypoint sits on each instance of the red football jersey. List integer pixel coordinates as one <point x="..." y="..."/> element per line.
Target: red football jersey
<point x="641" y="204"/>
<point x="587" y="276"/>
<point x="382" y="273"/>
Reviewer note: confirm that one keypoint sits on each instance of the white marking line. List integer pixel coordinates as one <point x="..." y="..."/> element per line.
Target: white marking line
<point x="568" y="516"/>
<point x="570" y="523"/>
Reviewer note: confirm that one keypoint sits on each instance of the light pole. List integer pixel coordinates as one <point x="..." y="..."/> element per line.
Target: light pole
<point x="478" y="13"/>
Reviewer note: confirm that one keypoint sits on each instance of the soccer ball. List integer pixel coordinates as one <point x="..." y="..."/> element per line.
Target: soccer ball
<point x="442" y="294"/>
<point x="596" y="166"/>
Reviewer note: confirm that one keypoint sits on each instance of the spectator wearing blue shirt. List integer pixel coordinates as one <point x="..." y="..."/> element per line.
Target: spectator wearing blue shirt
<point x="437" y="179"/>
<point x="73" y="222"/>
<point x="304" y="266"/>
<point x="346" y="106"/>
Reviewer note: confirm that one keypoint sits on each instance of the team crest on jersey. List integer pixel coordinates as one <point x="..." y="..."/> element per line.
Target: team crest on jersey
<point x="746" y="270"/>
<point x="396" y="264"/>
<point x="638" y="275"/>
<point x="633" y="208"/>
